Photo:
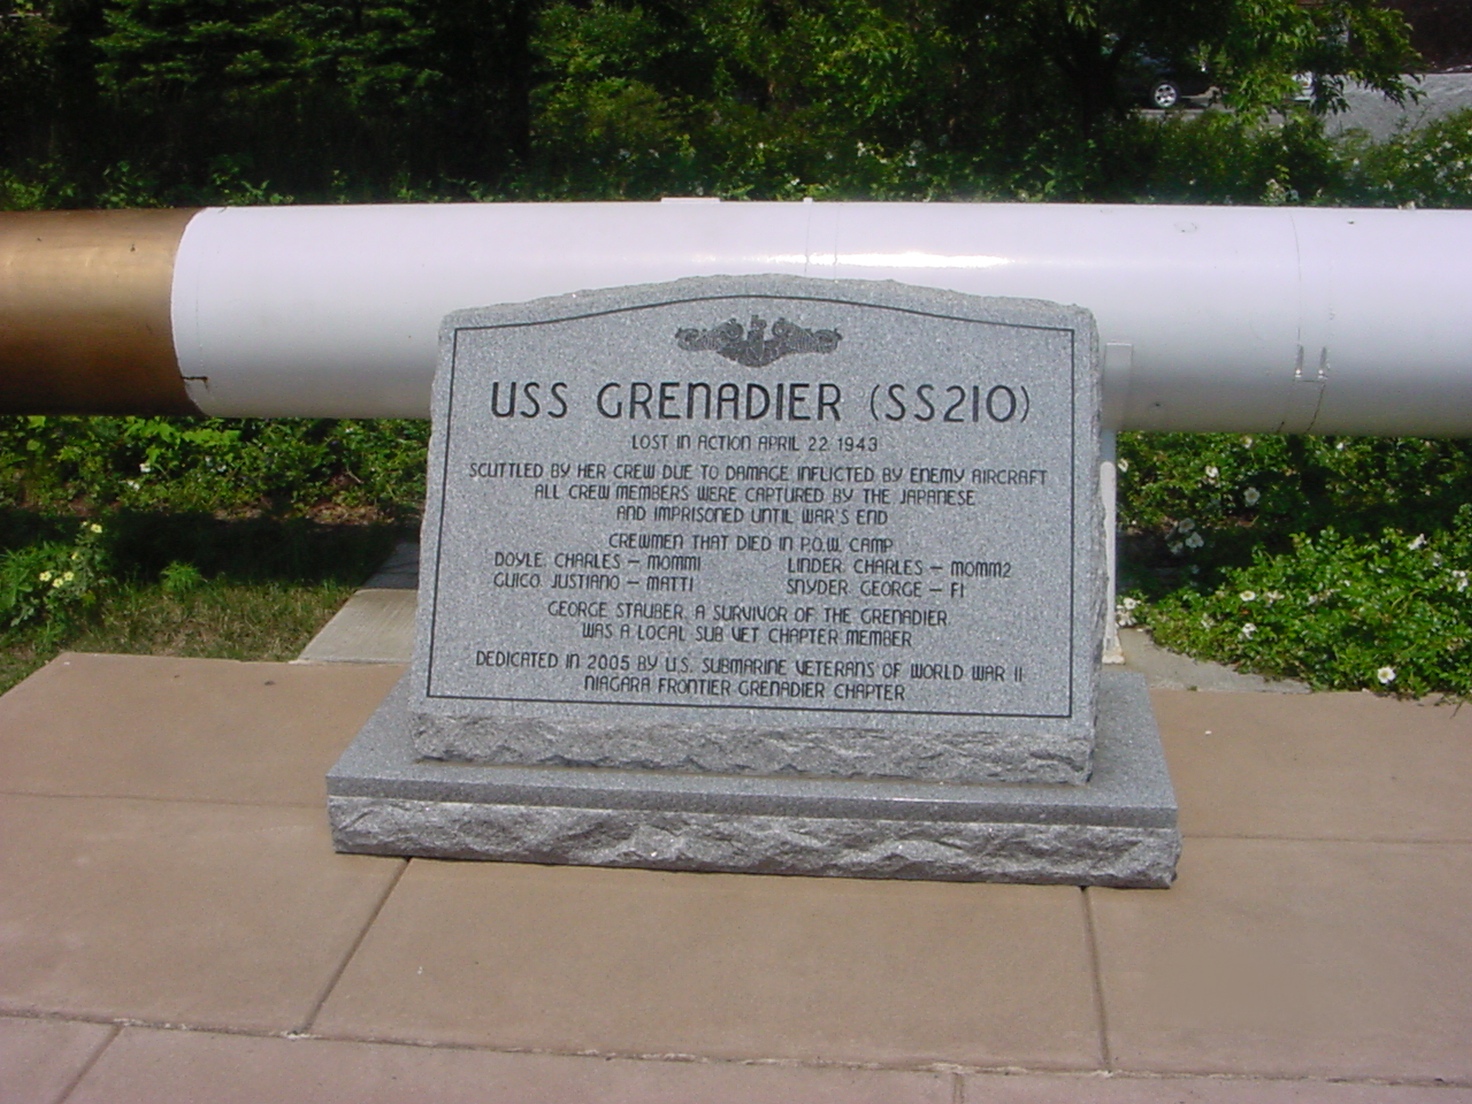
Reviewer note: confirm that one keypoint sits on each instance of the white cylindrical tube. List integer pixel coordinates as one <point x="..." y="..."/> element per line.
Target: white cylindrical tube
<point x="1323" y="320"/>
<point x="1213" y="318"/>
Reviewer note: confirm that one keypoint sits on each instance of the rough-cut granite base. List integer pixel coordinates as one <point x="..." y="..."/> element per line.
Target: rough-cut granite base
<point x="977" y="756"/>
<point x="1118" y="829"/>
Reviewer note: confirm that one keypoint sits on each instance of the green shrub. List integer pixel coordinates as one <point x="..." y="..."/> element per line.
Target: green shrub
<point x="1428" y="167"/>
<point x="279" y="467"/>
<point x="1393" y="613"/>
<point x="49" y="583"/>
<point x="1353" y="550"/>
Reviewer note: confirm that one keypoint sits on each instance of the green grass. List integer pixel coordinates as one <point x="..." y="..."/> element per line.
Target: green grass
<point x="179" y="585"/>
<point x="219" y="620"/>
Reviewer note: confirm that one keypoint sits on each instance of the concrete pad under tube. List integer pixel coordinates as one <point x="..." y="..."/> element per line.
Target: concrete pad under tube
<point x="1118" y="829"/>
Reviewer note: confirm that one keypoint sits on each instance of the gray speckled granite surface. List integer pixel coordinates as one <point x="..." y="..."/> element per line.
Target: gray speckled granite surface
<point x="617" y="452"/>
<point x="1119" y="828"/>
<point x="661" y="626"/>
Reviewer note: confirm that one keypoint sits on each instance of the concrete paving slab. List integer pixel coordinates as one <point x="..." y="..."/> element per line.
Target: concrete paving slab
<point x="1166" y="670"/>
<point x="1096" y="1089"/>
<point x="176" y="912"/>
<point x="192" y="729"/>
<point x="1349" y="766"/>
<point x="635" y="963"/>
<point x="375" y="625"/>
<point x="400" y="571"/>
<point x="1283" y="958"/>
<point x="41" y="1059"/>
<point x="148" y="1066"/>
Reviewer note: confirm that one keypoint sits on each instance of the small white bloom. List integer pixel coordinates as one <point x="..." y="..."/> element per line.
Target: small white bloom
<point x="1251" y="496"/>
<point x="1130" y="603"/>
<point x="1123" y="465"/>
<point x="1212" y="472"/>
<point x="58" y="581"/>
<point x="145" y="468"/>
<point x="1247" y="630"/>
<point x="1274" y="595"/>
<point x="1386" y="675"/>
<point x="1175" y="548"/>
<point x="45" y="576"/>
<point x="68" y="577"/>
<point x="1248" y="596"/>
<point x="1185" y="525"/>
<point x="1461" y="578"/>
<point x="95" y="527"/>
<point x="1247" y="441"/>
<point x="1419" y="542"/>
<point x="1195" y="540"/>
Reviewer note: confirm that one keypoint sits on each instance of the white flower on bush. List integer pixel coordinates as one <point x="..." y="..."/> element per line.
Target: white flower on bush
<point x="45" y="576"/>
<point x="95" y="527"/>
<point x="145" y="468"/>
<point x="1124" y="613"/>
<point x="1212" y="473"/>
<point x="1273" y="595"/>
<point x="1123" y="465"/>
<point x="1247" y="441"/>
<point x="1461" y="578"/>
<point x="1175" y="548"/>
<point x="1194" y="541"/>
<point x="1419" y="542"/>
<point x="1248" y="596"/>
<point x="1386" y="675"/>
<point x="1248" y="630"/>
<point x="1185" y="525"/>
<point x="1251" y="496"/>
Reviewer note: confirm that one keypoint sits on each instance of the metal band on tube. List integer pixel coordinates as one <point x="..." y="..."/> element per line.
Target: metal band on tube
<point x="84" y="312"/>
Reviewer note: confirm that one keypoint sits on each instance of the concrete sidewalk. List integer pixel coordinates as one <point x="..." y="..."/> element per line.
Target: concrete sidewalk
<point x="174" y="925"/>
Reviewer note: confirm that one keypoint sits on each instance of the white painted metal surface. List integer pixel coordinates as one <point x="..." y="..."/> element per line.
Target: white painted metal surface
<point x="1214" y="318"/>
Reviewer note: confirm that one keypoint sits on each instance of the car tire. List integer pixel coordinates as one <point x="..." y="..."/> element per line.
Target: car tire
<point x="1165" y="95"/>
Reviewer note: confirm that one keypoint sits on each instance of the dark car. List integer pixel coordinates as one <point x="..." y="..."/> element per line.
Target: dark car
<point x="1161" y="83"/>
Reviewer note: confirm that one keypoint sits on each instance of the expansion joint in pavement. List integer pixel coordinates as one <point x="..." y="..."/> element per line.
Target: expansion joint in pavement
<point x="311" y="1020"/>
<point x="86" y="1066"/>
<point x="1096" y="970"/>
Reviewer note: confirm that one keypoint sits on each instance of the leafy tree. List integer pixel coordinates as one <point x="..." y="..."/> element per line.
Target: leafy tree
<point x="912" y="96"/>
<point x="181" y="100"/>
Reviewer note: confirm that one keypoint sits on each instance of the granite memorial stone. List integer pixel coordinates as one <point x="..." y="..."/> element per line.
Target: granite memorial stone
<point x="766" y="573"/>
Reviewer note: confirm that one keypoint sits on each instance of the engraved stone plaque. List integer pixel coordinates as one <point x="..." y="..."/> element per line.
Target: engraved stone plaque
<point x="765" y="525"/>
<point x="766" y="574"/>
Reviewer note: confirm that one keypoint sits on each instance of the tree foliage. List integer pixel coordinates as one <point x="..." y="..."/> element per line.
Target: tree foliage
<point x="177" y="100"/>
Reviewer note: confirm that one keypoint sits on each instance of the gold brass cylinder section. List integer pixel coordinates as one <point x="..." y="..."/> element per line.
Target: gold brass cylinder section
<point x="84" y="312"/>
